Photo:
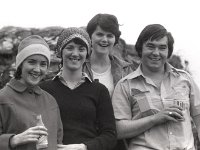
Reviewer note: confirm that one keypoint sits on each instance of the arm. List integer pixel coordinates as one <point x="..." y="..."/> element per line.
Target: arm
<point x="132" y="128"/>
<point x="60" y="128"/>
<point x="4" y="139"/>
<point x="126" y="127"/>
<point x="106" y="123"/>
<point x="195" y="104"/>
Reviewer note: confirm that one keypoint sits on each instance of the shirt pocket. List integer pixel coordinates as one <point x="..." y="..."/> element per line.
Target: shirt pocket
<point x="143" y="99"/>
<point x="181" y="96"/>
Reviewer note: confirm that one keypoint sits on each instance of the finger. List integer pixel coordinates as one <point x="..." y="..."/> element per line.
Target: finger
<point x="40" y="128"/>
<point x="177" y="116"/>
<point x="38" y="132"/>
<point x="176" y="107"/>
<point x="173" y="109"/>
<point x="61" y="146"/>
<point x="170" y="118"/>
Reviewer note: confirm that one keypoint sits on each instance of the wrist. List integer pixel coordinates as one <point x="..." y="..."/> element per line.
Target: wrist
<point x="12" y="141"/>
<point x="152" y="119"/>
<point x="84" y="146"/>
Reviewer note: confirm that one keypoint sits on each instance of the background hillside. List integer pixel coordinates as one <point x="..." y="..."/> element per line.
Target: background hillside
<point x="11" y="36"/>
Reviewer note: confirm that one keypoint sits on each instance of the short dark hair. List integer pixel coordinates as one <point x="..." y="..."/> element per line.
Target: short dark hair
<point x="154" y="32"/>
<point x="107" y="22"/>
<point x="18" y="72"/>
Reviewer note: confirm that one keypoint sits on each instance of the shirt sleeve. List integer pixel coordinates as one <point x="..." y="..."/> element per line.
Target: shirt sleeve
<point x="120" y="101"/>
<point x="106" y="124"/>
<point x="195" y="104"/>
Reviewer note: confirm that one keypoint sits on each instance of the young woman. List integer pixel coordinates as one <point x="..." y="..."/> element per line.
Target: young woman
<point x="22" y="101"/>
<point x="104" y="32"/>
<point x="85" y="105"/>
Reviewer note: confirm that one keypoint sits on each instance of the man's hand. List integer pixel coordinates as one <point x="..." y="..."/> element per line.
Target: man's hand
<point x="173" y="113"/>
<point x="72" y="147"/>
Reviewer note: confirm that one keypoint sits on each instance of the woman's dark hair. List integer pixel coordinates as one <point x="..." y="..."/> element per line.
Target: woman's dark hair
<point x="76" y="41"/>
<point x="154" y="32"/>
<point x="107" y="22"/>
<point x="18" y="73"/>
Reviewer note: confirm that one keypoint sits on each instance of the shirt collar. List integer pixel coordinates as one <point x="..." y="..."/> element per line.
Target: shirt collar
<point x="84" y="76"/>
<point x="138" y="72"/>
<point x="20" y="87"/>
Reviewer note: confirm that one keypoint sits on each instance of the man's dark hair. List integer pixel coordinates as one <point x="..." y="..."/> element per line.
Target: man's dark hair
<point x="154" y="32"/>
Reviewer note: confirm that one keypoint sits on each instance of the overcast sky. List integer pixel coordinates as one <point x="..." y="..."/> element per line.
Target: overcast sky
<point x="180" y="17"/>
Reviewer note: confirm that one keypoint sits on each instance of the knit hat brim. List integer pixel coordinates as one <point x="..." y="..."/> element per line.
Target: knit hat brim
<point x="32" y="50"/>
<point x="73" y="36"/>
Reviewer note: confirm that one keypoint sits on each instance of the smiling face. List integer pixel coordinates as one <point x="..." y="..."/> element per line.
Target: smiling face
<point x="74" y="55"/>
<point x="33" y="69"/>
<point x="154" y="54"/>
<point x="102" y="41"/>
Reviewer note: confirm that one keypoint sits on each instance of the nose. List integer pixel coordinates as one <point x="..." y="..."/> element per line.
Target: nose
<point x="75" y="52"/>
<point x="37" y="68"/>
<point x="156" y="51"/>
<point x="104" y="38"/>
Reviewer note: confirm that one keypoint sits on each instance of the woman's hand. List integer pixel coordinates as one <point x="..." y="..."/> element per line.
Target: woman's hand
<point x="30" y="135"/>
<point x="173" y="113"/>
<point x="72" y="147"/>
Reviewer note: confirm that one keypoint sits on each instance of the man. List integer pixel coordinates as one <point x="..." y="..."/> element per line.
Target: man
<point x="153" y="104"/>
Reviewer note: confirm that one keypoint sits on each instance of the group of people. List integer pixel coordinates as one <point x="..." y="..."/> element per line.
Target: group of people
<point x="97" y="101"/>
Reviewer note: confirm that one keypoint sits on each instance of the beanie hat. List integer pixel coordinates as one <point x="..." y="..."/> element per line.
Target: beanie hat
<point x="69" y="34"/>
<point x="32" y="45"/>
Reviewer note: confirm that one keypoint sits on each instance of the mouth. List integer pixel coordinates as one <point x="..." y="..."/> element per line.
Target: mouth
<point x="103" y="45"/>
<point x="35" y="76"/>
<point x="155" y="59"/>
<point x="74" y="59"/>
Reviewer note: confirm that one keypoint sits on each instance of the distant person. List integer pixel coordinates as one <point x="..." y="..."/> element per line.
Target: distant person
<point x="85" y="105"/>
<point x="22" y="101"/>
<point x="153" y="105"/>
<point x="104" y="32"/>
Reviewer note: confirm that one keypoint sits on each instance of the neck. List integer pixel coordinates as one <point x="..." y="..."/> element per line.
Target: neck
<point x="99" y="60"/>
<point x="153" y="74"/>
<point x="71" y="76"/>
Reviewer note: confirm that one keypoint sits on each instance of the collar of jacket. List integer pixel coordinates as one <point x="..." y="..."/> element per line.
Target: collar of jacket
<point x="118" y="67"/>
<point x="19" y="87"/>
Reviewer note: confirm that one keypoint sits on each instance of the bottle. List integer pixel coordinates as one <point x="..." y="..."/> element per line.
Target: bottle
<point x="42" y="141"/>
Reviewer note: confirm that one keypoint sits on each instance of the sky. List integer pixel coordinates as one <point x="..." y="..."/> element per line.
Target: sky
<point x="180" y="17"/>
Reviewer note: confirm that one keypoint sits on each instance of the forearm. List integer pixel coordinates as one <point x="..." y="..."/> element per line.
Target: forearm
<point x="132" y="128"/>
<point x="104" y="141"/>
<point x="4" y="141"/>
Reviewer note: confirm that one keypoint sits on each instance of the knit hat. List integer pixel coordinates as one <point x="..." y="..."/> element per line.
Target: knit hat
<point x="69" y="34"/>
<point x="32" y="45"/>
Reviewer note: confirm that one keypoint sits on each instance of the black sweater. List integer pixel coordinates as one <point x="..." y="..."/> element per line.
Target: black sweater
<point x="86" y="113"/>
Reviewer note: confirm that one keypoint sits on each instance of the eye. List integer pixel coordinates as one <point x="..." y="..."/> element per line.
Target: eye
<point x="31" y="61"/>
<point x="43" y="64"/>
<point x="69" y="47"/>
<point x="99" y="34"/>
<point x="163" y="47"/>
<point x="150" y="46"/>
<point x="82" y="49"/>
<point x="110" y="36"/>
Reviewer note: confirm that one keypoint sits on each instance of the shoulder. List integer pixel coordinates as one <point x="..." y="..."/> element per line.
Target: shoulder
<point x="119" y="61"/>
<point x="124" y="64"/>
<point x="4" y="93"/>
<point x="51" y="83"/>
<point x="49" y="98"/>
<point x="181" y="73"/>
